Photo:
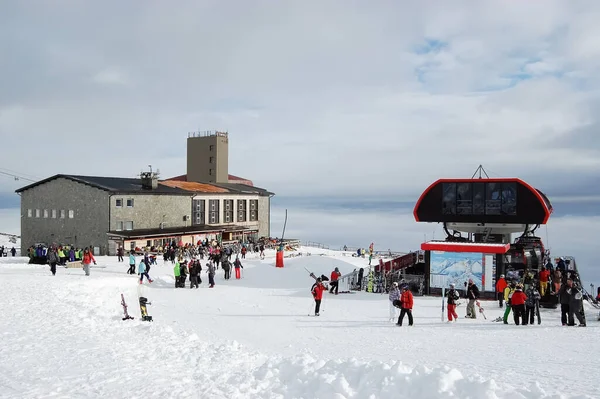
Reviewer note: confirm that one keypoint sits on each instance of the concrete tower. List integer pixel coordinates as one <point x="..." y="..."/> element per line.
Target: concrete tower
<point x="208" y="157"/>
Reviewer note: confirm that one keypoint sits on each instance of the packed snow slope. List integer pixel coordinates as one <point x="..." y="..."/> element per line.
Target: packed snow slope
<point x="63" y="337"/>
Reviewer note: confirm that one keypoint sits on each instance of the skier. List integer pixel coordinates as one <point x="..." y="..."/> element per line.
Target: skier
<point x="517" y="302"/>
<point x="335" y="275"/>
<point x="407" y="303"/>
<point x="210" y="269"/>
<point x="143" y="272"/>
<point x="238" y="266"/>
<point x="508" y="293"/>
<point x="393" y="297"/>
<point x="317" y="293"/>
<point x="472" y="296"/>
<point x="131" y="263"/>
<point x="52" y="260"/>
<point x="533" y="297"/>
<point x="88" y="258"/>
<point x="453" y="296"/>
<point x="500" y="286"/>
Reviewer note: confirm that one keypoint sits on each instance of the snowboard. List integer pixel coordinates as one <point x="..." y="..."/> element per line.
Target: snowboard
<point x="127" y="316"/>
<point x="143" y="306"/>
<point x="370" y="282"/>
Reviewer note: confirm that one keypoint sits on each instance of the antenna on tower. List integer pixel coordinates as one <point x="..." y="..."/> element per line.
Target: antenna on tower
<point x="481" y="172"/>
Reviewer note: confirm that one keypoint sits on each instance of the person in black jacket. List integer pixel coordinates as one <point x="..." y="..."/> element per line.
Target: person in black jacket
<point x="194" y="273"/>
<point x="570" y="304"/>
<point x="453" y="296"/>
<point x="472" y="296"/>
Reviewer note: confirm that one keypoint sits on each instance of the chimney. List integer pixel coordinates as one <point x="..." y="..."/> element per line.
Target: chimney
<point x="149" y="180"/>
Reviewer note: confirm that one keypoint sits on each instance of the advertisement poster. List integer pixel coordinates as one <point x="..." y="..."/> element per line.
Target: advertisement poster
<point x="457" y="268"/>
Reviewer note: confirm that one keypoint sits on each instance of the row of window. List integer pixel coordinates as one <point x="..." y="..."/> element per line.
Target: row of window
<point x="52" y="213"/>
<point x="244" y="211"/>
<point x="498" y="198"/>
<point x="124" y="225"/>
<point x="119" y="202"/>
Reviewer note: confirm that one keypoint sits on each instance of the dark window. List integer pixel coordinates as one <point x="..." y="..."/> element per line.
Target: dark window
<point x="119" y="202"/>
<point x="211" y="160"/>
<point x="253" y="210"/>
<point x="509" y="199"/>
<point x="241" y="210"/>
<point x="128" y="225"/>
<point x="199" y="212"/>
<point x="214" y="212"/>
<point x="478" y="198"/>
<point x="493" y="199"/>
<point x="229" y="211"/>
<point x="130" y="203"/>
<point x="211" y="148"/>
<point x="449" y="199"/>
<point x="464" y="199"/>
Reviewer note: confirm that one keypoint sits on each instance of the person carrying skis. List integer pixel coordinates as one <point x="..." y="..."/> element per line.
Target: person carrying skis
<point x="238" y="266"/>
<point x="87" y="260"/>
<point x="210" y="269"/>
<point x="393" y="297"/>
<point x="472" y="296"/>
<point x="500" y="287"/>
<point x="335" y="275"/>
<point x="131" y="263"/>
<point x="317" y="293"/>
<point x="453" y="296"/>
<point x="531" y="304"/>
<point x="517" y="302"/>
<point x="142" y="270"/>
<point x="406" y="299"/>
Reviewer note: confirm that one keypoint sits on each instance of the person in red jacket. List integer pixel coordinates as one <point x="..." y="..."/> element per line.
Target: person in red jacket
<point x="544" y="279"/>
<point x="88" y="258"/>
<point x="333" y="283"/>
<point x="317" y="292"/>
<point x="406" y="299"/>
<point x="517" y="301"/>
<point x="500" y="287"/>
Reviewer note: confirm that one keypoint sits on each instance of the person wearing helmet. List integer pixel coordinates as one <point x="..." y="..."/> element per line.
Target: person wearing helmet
<point x="452" y="296"/>
<point x="317" y="292"/>
<point x="406" y="299"/>
<point x="393" y="297"/>
<point x="571" y="302"/>
<point x="335" y="275"/>
<point x="508" y="293"/>
<point x="500" y="287"/>
<point x="517" y="302"/>
<point x="472" y="296"/>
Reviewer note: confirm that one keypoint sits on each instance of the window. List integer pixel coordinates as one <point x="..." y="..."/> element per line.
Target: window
<point x="45" y="213"/>
<point x="132" y="245"/>
<point x="478" y="199"/>
<point x="464" y="199"/>
<point x="71" y="214"/>
<point x="53" y="213"/>
<point x="449" y="199"/>
<point x="211" y="160"/>
<point x="214" y="212"/>
<point x="119" y="226"/>
<point x="211" y="148"/>
<point x="493" y="199"/>
<point x="253" y="210"/>
<point x="210" y="172"/>
<point x="37" y="213"/>
<point x="119" y="202"/>
<point x="130" y="203"/>
<point x="229" y="211"/>
<point x="199" y="212"/>
<point x="128" y="225"/>
<point x="241" y="210"/>
<point x="62" y="213"/>
<point x="509" y="199"/>
<point x="29" y="213"/>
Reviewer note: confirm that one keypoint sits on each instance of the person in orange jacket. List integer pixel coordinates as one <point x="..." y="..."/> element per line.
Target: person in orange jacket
<point x="317" y="292"/>
<point x="88" y="258"/>
<point x="406" y="299"/>
<point x="500" y="287"/>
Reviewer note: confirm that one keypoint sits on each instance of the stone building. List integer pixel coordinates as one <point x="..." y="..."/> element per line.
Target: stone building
<point x="108" y="212"/>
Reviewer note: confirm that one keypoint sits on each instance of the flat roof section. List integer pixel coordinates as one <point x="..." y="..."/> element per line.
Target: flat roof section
<point x="470" y="247"/>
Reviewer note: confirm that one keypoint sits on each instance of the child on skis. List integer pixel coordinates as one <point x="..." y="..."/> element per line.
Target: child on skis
<point x="453" y="296"/>
<point x="142" y="272"/>
<point x="317" y="292"/>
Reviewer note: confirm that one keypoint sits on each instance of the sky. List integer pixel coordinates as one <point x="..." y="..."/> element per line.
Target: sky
<point x="347" y="101"/>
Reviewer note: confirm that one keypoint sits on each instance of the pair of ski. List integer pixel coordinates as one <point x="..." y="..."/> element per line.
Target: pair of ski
<point x="537" y="313"/>
<point x="143" y="307"/>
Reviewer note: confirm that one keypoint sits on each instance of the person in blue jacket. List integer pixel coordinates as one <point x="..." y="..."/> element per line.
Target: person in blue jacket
<point x="131" y="263"/>
<point x="142" y="271"/>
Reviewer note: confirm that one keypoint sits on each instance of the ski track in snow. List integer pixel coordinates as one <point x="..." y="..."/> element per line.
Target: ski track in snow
<point x="63" y="337"/>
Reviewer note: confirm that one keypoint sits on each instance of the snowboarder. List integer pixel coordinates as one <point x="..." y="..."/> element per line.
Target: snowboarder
<point x="142" y="271"/>
<point x="517" y="302"/>
<point x="500" y="286"/>
<point x="335" y="275"/>
<point x="453" y="296"/>
<point x="131" y="263"/>
<point x="210" y="269"/>
<point x="472" y="296"/>
<point x="407" y="304"/>
<point x="531" y="304"/>
<point x="238" y="266"/>
<point x="393" y="297"/>
<point x="317" y="293"/>
<point x="87" y="260"/>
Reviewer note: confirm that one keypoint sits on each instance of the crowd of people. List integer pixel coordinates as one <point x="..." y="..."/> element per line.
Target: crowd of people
<point x="4" y="251"/>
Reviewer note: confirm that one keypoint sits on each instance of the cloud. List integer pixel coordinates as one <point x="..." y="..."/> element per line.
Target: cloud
<point x="330" y="98"/>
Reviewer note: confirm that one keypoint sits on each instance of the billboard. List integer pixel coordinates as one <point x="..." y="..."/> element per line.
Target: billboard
<point x="459" y="267"/>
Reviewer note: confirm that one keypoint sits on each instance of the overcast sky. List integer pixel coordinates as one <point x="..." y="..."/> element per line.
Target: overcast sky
<point x="320" y="97"/>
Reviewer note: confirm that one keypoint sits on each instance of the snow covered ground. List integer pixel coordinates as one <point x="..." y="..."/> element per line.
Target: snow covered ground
<point x="63" y="337"/>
